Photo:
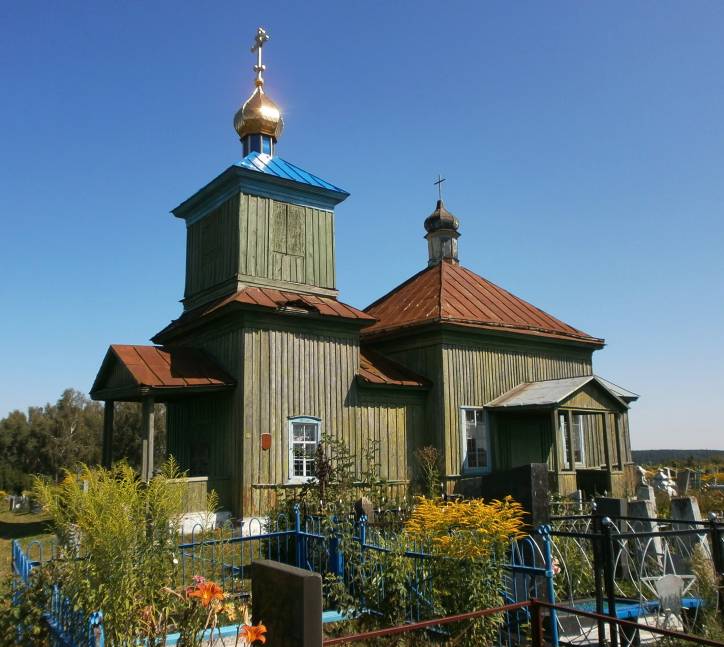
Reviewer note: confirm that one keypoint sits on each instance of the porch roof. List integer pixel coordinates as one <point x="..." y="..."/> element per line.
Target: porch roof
<point x="549" y="393"/>
<point x="132" y="372"/>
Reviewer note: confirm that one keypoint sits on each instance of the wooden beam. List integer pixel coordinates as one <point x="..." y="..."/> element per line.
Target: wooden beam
<point x="619" y="444"/>
<point x="569" y="439"/>
<point x="107" y="453"/>
<point x="556" y="444"/>
<point x="147" y="434"/>
<point x="607" y="451"/>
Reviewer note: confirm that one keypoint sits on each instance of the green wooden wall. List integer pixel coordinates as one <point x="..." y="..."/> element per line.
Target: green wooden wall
<point x="521" y="439"/>
<point x="472" y="369"/>
<point x="198" y="438"/>
<point x="296" y="371"/>
<point x="478" y="373"/>
<point x="253" y="240"/>
<point x="289" y="367"/>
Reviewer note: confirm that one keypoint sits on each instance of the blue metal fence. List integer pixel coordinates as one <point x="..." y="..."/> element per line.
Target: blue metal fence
<point x="68" y="626"/>
<point x="225" y="555"/>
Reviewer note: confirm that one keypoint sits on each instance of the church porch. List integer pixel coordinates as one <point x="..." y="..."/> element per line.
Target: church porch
<point x="153" y="375"/>
<point x="578" y="427"/>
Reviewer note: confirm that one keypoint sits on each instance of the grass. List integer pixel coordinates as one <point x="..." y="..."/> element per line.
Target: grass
<point x="24" y="526"/>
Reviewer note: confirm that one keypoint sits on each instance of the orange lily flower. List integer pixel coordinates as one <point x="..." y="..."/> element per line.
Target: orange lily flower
<point x="207" y="592"/>
<point x="253" y="633"/>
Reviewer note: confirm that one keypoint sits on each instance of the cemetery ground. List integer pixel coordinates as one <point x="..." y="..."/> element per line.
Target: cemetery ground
<point x="430" y="558"/>
<point x="23" y="526"/>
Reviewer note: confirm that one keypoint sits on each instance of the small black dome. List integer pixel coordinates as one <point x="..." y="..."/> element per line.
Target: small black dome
<point x="441" y="218"/>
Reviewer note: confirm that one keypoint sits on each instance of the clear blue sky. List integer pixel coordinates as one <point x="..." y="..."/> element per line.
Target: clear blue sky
<point x="583" y="145"/>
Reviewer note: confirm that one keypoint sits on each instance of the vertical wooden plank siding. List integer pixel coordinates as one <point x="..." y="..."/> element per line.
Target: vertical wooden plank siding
<point x="426" y="361"/>
<point x="217" y="419"/>
<point x="591" y="397"/>
<point x="293" y="373"/>
<point x="248" y="237"/>
<point x="203" y="422"/>
<point x="212" y="255"/>
<point x="474" y="375"/>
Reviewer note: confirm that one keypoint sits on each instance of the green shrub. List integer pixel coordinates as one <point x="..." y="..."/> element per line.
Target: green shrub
<point x="119" y="538"/>
<point x="21" y="609"/>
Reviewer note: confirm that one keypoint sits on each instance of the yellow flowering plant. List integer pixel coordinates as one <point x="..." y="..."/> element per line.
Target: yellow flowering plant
<point x="469" y="541"/>
<point x="467" y="529"/>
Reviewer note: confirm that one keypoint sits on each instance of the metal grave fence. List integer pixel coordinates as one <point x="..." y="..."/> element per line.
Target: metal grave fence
<point x="225" y="555"/>
<point x="648" y="570"/>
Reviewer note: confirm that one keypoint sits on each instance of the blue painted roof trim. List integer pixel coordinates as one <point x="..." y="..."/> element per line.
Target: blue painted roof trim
<point x="264" y="176"/>
<point x="278" y="167"/>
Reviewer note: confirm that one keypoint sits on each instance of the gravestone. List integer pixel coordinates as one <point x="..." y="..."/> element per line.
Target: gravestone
<point x="683" y="480"/>
<point x="646" y="547"/>
<point x="364" y="507"/>
<point x="288" y="602"/>
<point x="646" y="493"/>
<point x="607" y="506"/>
<point x="683" y="509"/>
<point x="527" y="484"/>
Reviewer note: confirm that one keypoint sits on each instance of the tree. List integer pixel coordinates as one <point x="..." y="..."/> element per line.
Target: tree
<point x="59" y="436"/>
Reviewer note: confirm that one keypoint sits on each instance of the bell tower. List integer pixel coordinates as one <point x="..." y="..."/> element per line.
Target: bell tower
<point x="263" y="222"/>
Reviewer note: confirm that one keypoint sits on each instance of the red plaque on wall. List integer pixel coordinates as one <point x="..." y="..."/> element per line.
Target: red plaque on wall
<point x="265" y="441"/>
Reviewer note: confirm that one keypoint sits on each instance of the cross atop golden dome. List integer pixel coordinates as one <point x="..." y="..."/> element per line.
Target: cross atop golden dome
<point x="259" y="121"/>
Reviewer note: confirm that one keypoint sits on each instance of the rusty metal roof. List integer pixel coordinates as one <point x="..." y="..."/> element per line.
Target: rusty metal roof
<point x="157" y="371"/>
<point x="547" y="393"/>
<point x="379" y="370"/>
<point x="450" y="293"/>
<point x="282" y="301"/>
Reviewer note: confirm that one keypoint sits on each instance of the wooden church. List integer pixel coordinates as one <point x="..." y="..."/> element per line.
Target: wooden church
<point x="265" y="357"/>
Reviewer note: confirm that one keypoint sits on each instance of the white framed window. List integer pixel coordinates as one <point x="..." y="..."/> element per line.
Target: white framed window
<point x="475" y="440"/>
<point x="304" y="433"/>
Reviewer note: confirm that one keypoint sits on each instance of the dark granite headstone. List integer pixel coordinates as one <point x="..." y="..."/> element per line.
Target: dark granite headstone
<point x="364" y="507"/>
<point x="288" y="602"/>
<point x="527" y="484"/>
<point x="608" y="506"/>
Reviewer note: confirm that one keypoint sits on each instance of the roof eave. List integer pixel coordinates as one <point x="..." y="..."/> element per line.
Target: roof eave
<point x="237" y="179"/>
<point x="174" y="329"/>
<point x="507" y="331"/>
<point x="159" y="393"/>
<point x="499" y="402"/>
<point x="362" y="381"/>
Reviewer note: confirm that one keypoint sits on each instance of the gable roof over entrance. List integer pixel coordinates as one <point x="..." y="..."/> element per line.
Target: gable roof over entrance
<point x="549" y="393"/>
<point x="132" y="372"/>
<point x="450" y="293"/>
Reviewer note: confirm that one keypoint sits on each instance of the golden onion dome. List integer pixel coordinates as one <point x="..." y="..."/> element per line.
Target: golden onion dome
<point x="259" y="116"/>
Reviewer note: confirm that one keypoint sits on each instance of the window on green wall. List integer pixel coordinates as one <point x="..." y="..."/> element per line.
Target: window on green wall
<point x="303" y="440"/>
<point x="475" y="440"/>
<point x="572" y="439"/>
<point x="577" y="439"/>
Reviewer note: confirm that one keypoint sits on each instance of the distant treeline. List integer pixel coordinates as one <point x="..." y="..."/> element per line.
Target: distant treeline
<point x="687" y="457"/>
<point x="49" y="439"/>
